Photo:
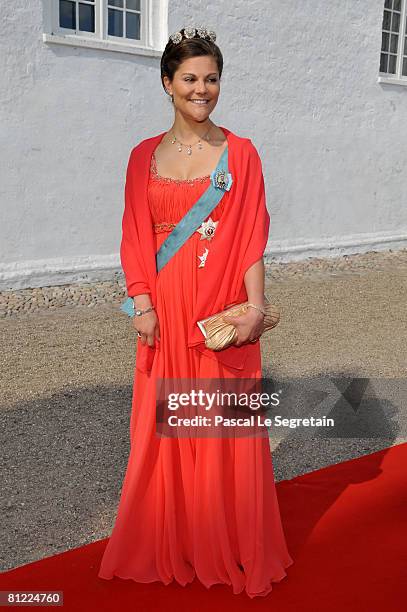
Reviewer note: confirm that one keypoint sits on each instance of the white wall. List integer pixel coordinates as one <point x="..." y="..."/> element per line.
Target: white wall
<point x="300" y="78"/>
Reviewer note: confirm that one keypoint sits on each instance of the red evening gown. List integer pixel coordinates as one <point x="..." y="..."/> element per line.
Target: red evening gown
<point x="204" y="507"/>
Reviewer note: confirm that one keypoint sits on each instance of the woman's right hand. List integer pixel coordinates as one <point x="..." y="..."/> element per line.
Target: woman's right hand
<point x="148" y="326"/>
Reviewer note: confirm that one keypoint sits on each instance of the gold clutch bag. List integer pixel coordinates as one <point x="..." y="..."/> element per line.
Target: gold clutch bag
<point x="219" y="334"/>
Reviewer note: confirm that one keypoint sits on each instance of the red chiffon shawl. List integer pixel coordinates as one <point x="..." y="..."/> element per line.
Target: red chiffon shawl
<point x="240" y="240"/>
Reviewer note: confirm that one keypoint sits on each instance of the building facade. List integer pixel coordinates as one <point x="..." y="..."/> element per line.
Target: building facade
<point x="320" y="88"/>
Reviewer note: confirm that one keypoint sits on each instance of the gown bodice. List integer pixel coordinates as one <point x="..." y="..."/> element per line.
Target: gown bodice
<point x="170" y="199"/>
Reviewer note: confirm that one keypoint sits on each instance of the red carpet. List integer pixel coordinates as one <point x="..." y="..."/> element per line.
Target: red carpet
<point x="345" y="528"/>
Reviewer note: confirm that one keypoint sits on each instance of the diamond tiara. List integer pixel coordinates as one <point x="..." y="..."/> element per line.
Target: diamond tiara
<point x="191" y="33"/>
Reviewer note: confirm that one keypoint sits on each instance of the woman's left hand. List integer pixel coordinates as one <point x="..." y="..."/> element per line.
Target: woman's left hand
<point x="249" y="326"/>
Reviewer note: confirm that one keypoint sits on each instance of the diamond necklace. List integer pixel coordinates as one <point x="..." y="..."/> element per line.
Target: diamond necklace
<point x="189" y="147"/>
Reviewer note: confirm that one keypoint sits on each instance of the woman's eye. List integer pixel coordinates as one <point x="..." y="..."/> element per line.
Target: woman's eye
<point x="213" y="79"/>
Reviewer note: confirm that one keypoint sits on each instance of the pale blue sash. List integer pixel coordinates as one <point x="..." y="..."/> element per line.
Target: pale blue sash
<point x="189" y="223"/>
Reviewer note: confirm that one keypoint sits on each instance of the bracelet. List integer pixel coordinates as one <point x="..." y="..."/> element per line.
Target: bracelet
<point x="138" y="312"/>
<point x="260" y="308"/>
<point x="129" y="309"/>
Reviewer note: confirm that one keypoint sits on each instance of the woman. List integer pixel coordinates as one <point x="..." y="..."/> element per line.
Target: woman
<point x="195" y="506"/>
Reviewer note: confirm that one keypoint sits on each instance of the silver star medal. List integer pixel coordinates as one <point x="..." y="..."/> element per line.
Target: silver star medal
<point x="207" y="229"/>
<point x="202" y="258"/>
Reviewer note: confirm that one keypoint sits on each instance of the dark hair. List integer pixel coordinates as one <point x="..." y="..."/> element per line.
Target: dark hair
<point x="174" y="55"/>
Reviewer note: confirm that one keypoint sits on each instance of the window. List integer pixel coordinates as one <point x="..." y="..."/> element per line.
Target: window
<point x="132" y="26"/>
<point x="77" y="16"/>
<point x="393" y="56"/>
<point x="124" y="18"/>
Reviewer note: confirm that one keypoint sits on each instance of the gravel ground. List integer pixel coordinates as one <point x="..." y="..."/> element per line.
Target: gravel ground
<point x="67" y="374"/>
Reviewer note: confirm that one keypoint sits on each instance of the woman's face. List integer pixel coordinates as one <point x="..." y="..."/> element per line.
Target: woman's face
<point x="197" y="78"/>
